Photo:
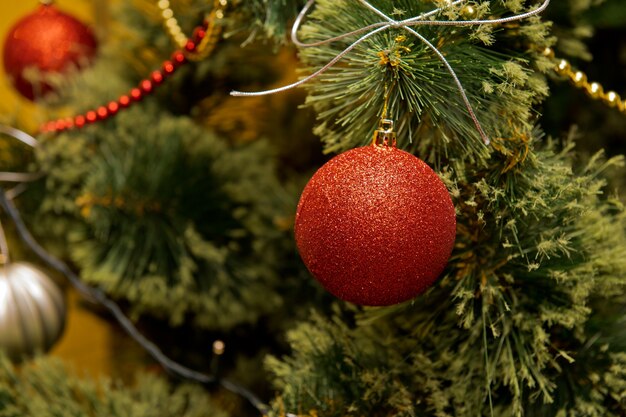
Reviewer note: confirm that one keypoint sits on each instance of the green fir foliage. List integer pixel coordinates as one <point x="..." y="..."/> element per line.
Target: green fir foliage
<point x="571" y="28"/>
<point x="270" y="17"/>
<point x="165" y="215"/>
<point x="45" y="388"/>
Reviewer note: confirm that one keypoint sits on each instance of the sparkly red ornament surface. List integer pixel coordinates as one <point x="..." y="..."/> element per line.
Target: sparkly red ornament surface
<point x="375" y="226"/>
<point x="49" y="41"/>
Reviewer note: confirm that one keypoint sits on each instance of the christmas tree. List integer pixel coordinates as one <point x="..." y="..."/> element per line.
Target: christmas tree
<point x="494" y="287"/>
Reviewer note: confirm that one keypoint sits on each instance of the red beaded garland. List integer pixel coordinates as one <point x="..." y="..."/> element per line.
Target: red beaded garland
<point x="199" y="33"/>
<point x="124" y="101"/>
<point x="156" y="77"/>
<point x="59" y="125"/>
<point x="102" y="112"/>
<point x="168" y="68"/>
<point x="136" y="94"/>
<point x="190" y="46"/>
<point x="146" y="86"/>
<point x="113" y="107"/>
<point x="178" y="58"/>
<point x="375" y="226"/>
<point x="79" y="121"/>
<point x="91" y="116"/>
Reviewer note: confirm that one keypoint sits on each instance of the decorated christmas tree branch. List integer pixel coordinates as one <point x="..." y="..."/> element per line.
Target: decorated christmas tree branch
<point x="195" y="48"/>
<point x="422" y="90"/>
<point x="406" y="24"/>
<point x="419" y="231"/>
<point x="507" y="318"/>
<point x="96" y="295"/>
<point x="524" y="318"/>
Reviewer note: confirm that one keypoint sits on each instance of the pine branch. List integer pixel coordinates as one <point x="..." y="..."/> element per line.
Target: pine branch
<point x="46" y="389"/>
<point x="150" y="236"/>
<point x="424" y="101"/>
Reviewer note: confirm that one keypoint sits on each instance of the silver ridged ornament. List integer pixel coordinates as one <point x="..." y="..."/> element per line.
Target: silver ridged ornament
<point x="32" y="311"/>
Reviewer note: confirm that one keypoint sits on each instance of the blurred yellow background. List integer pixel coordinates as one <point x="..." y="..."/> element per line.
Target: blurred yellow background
<point x="89" y="342"/>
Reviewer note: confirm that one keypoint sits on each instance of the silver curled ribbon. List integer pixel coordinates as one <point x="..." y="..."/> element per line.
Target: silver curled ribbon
<point x="389" y="23"/>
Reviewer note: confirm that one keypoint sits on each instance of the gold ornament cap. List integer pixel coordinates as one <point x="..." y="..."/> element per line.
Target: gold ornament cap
<point x="384" y="135"/>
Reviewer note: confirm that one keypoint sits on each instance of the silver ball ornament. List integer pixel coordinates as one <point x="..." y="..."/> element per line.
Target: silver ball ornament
<point x="32" y="310"/>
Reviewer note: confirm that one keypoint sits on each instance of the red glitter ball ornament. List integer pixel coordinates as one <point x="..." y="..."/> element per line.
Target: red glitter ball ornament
<point x="49" y="41"/>
<point x="375" y="226"/>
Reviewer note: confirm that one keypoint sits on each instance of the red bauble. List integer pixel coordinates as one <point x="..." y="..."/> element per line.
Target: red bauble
<point x="49" y="41"/>
<point x="375" y="226"/>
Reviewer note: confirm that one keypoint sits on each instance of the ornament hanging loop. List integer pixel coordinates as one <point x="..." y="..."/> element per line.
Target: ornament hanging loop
<point x="384" y="135"/>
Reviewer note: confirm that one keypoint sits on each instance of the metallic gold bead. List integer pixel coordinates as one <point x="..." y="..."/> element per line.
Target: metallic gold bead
<point x="563" y="67"/>
<point x="219" y="347"/>
<point x="579" y="78"/>
<point x="468" y="12"/>
<point x="167" y="14"/>
<point x="548" y="52"/>
<point x="595" y="90"/>
<point x="164" y="4"/>
<point x="171" y="23"/>
<point x="613" y="99"/>
<point x="223" y="3"/>
<point x="219" y="14"/>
